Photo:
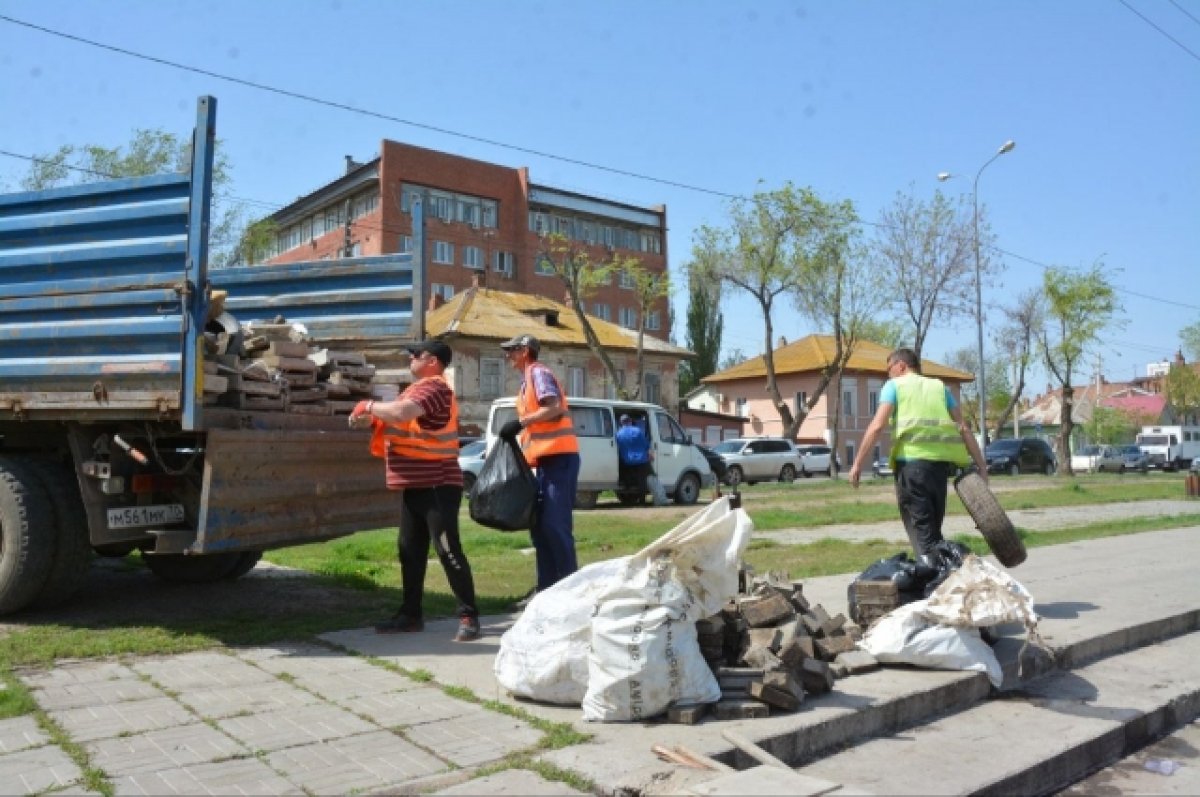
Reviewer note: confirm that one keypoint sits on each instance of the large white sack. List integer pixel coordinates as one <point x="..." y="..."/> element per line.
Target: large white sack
<point x="544" y="655"/>
<point x="905" y="636"/>
<point x="645" y="656"/>
<point x="978" y="594"/>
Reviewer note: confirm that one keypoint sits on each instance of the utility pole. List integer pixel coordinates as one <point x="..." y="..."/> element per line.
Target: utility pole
<point x="347" y="244"/>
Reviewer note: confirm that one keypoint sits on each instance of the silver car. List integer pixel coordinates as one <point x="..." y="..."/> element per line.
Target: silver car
<point x="470" y="460"/>
<point x="1134" y="459"/>
<point x="758" y="459"/>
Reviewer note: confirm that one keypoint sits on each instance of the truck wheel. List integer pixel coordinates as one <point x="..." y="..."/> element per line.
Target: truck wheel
<point x="72" y="547"/>
<point x="195" y="569"/>
<point x="990" y="518"/>
<point x="687" y="489"/>
<point x="787" y="474"/>
<point x="734" y="475"/>
<point x="26" y="535"/>
<point x="245" y="563"/>
<point x="586" y="499"/>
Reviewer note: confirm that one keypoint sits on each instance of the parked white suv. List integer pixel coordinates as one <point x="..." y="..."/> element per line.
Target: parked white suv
<point x="758" y="459"/>
<point x="814" y="459"/>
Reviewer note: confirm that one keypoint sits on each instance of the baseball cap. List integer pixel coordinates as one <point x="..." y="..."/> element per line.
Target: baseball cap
<point x="434" y="347"/>
<point x="625" y="419"/>
<point x="528" y="341"/>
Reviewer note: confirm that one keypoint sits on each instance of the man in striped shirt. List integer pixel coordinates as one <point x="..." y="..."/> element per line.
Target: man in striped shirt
<point x="417" y="435"/>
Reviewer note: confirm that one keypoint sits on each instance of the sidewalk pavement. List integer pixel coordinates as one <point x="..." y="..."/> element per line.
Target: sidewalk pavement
<point x="310" y="718"/>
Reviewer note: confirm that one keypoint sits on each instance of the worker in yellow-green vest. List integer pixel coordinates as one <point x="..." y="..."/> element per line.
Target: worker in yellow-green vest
<point x="929" y="442"/>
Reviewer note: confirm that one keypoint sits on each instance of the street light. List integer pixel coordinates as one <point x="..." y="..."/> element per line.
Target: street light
<point x="1006" y="147"/>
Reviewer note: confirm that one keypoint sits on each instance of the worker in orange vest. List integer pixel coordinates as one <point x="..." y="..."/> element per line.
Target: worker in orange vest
<point x="547" y="438"/>
<point x="417" y="436"/>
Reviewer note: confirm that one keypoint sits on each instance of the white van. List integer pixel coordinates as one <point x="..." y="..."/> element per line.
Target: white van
<point x="681" y="467"/>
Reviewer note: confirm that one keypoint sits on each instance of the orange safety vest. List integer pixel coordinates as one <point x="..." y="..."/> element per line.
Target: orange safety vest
<point x="544" y="438"/>
<point x="410" y="439"/>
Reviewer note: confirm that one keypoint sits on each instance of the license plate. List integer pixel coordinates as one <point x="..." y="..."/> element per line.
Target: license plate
<point x="132" y="517"/>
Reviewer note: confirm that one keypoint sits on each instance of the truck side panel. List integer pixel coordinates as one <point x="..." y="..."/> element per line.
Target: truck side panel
<point x="90" y="311"/>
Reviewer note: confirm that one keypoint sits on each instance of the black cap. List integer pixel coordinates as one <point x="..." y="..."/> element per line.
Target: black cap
<point x="528" y="341"/>
<point x="434" y="347"/>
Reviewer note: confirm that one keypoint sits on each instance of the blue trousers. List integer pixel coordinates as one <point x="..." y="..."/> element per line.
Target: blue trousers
<point x="553" y="531"/>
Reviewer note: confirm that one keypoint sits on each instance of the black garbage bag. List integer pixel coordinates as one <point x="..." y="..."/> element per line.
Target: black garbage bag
<point x="505" y="493"/>
<point x="945" y="557"/>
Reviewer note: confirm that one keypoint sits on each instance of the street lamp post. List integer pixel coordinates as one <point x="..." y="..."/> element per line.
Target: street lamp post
<point x="1006" y="147"/>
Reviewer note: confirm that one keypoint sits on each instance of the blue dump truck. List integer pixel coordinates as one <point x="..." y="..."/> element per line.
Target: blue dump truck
<point x="107" y="443"/>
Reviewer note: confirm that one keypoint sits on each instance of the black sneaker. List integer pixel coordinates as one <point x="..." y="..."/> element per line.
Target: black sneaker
<point x="468" y="630"/>
<point x="400" y="624"/>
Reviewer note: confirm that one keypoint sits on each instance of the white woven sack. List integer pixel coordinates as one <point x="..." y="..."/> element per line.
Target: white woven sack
<point x="905" y="636"/>
<point x="977" y="595"/>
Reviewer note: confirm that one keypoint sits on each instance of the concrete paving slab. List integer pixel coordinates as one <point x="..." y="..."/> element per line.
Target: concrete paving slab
<point x="315" y="657"/>
<point x="96" y="693"/>
<point x="21" y="733"/>
<point x="36" y="770"/>
<point x="204" y="670"/>
<point x="477" y="738"/>
<point x="101" y="722"/>
<point x="228" y="701"/>
<point x="763" y="781"/>
<point x="275" y="730"/>
<point x="242" y="776"/>
<point x="72" y="671"/>
<point x="410" y="707"/>
<point x="154" y="751"/>
<point x="511" y="781"/>
<point x="368" y="762"/>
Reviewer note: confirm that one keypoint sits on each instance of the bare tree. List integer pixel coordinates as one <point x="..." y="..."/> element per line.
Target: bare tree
<point x="928" y="248"/>
<point x="1079" y="305"/>
<point x="770" y="243"/>
<point x="1017" y="339"/>
<point x="648" y="288"/>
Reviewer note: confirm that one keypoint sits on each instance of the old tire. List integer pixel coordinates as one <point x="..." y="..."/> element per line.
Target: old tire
<point x="990" y="519"/>
<point x="194" y="569"/>
<point x="73" y="553"/>
<point x="245" y="563"/>
<point x="586" y="499"/>
<point x="787" y="474"/>
<point x="27" y="532"/>
<point x="687" y="489"/>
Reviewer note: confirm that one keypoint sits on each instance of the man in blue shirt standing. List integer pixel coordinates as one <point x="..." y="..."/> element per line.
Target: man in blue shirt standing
<point x="635" y="459"/>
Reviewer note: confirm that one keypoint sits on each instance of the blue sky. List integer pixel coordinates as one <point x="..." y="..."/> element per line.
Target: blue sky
<point x="858" y="100"/>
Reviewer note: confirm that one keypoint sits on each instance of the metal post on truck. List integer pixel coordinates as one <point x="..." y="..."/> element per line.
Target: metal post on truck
<point x="195" y="269"/>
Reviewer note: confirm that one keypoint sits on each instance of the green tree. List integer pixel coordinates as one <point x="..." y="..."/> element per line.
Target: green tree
<point x="649" y="288"/>
<point x="771" y="241"/>
<point x="998" y="385"/>
<point x="1110" y="425"/>
<point x="1189" y="336"/>
<point x="928" y="250"/>
<point x="1016" y="338"/>
<point x="705" y="326"/>
<point x="152" y="152"/>
<point x="1079" y="306"/>
<point x="1183" y="391"/>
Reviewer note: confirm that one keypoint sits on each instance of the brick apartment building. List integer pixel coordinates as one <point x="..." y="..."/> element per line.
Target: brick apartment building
<point x="482" y="220"/>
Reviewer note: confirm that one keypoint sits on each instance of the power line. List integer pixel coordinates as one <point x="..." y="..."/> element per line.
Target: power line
<point x="363" y="111"/>
<point x="1149" y="22"/>
<point x="1185" y="12"/>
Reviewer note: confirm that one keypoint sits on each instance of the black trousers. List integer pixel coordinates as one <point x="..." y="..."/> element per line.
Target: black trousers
<point x="921" y="494"/>
<point x="430" y="514"/>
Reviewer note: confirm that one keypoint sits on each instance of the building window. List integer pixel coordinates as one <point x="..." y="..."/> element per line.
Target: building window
<point x="364" y="203"/>
<point x="650" y="242"/>
<point x="489" y="213"/>
<point x="626" y="280"/>
<point x="873" y="403"/>
<point x="443" y="252"/>
<point x="562" y="225"/>
<point x="847" y="404"/>
<point x="801" y="401"/>
<point x="504" y="262"/>
<point x="601" y="310"/>
<point x="653" y="320"/>
<point x="473" y="257"/>
<point x="576" y="381"/>
<point x="587" y="231"/>
<point x="441" y="206"/>
<point x="627" y="317"/>
<point x="537" y="222"/>
<point x="739" y="407"/>
<point x="446" y="292"/>
<point x="849" y="457"/>
<point x="653" y="389"/>
<point x="544" y="267"/>
<point x="406" y="243"/>
<point x="491" y="381"/>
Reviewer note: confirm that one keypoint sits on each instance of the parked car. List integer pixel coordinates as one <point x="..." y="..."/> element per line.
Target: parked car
<point x="1195" y="465"/>
<point x="881" y="467"/>
<point x="814" y="459"/>
<point x="758" y="459"/>
<point x="1020" y="455"/>
<point x="1135" y="459"/>
<point x="1097" y="459"/>
<point x="470" y="460"/>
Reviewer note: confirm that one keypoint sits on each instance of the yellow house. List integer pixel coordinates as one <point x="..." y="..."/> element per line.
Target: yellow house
<point x="847" y="405"/>
<point x="475" y="322"/>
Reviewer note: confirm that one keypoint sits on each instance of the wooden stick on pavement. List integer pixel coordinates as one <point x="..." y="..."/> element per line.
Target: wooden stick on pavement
<point x="754" y="751"/>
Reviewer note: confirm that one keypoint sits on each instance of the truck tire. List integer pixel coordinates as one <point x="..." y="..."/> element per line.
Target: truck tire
<point x="27" y="533"/>
<point x="990" y="519"/>
<point x="733" y="476"/>
<point x="195" y="569"/>
<point x="245" y="563"/>
<point x="687" y="489"/>
<point x="72" y="547"/>
<point x="787" y="474"/>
